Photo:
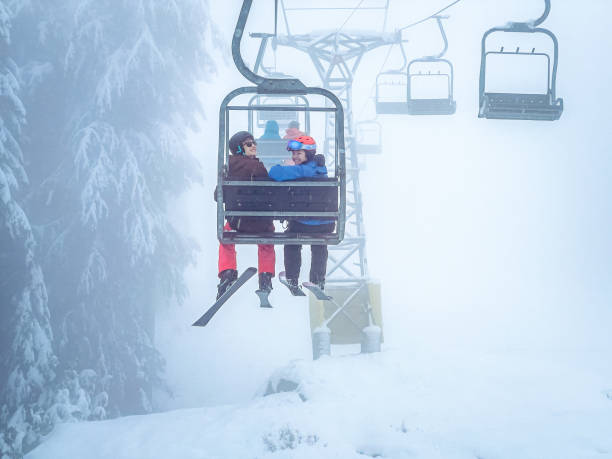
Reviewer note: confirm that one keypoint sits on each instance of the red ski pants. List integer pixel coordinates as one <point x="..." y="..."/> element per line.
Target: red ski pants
<point x="265" y="254"/>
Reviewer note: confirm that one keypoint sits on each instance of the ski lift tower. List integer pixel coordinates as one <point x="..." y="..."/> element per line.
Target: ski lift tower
<point x="336" y="55"/>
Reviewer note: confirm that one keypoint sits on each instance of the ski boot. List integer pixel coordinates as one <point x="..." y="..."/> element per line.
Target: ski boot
<point x="320" y="284"/>
<point x="226" y="279"/>
<point x="294" y="287"/>
<point x="265" y="287"/>
<point x="291" y="284"/>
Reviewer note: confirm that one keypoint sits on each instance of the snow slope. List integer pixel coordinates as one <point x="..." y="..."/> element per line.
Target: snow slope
<point x="484" y="405"/>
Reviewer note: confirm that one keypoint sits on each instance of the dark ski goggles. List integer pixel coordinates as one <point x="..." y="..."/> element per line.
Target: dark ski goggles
<point x="249" y="143"/>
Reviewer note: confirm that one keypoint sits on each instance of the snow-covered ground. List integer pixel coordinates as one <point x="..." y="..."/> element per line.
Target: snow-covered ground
<point x="457" y="405"/>
<point x="496" y="302"/>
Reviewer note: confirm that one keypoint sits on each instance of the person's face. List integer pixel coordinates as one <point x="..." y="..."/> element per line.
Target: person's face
<point x="298" y="156"/>
<point x="250" y="148"/>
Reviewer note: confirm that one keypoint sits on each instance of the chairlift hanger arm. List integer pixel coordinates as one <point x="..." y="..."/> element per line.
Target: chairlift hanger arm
<point x="432" y="16"/>
<point x="404" y="58"/>
<point x="525" y="26"/>
<point x="272" y="85"/>
<point x="438" y="19"/>
<point x="542" y="18"/>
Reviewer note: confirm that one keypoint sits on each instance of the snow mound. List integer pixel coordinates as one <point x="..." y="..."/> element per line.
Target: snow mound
<point x="388" y="405"/>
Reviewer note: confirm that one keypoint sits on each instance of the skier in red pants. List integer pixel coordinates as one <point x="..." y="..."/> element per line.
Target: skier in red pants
<point x="244" y="165"/>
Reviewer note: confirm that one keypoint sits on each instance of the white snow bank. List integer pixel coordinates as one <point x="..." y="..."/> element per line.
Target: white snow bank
<point x="391" y="405"/>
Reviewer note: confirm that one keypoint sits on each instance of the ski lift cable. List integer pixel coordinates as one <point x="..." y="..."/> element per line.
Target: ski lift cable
<point x="353" y="10"/>
<point x="350" y="16"/>
<point x="430" y="16"/>
<point x="386" y="16"/>
<point x="285" y="17"/>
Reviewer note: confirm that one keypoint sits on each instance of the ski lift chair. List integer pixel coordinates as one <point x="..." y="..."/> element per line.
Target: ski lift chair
<point x="391" y="105"/>
<point x="312" y="198"/>
<point x="283" y="118"/>
<point x="368" y="138"/>
<point x="431" y="106"/>
<point x="323" y="198"/>
<point x="520" y="106"/>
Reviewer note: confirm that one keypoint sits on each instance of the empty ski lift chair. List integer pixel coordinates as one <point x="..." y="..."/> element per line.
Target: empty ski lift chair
<point x="395" y="104"/>
<point x="368" y="137"/>
<point x="394" y="81"/>
<point x="314" y="198"/>
<point x="270" y="151"/>
<point x="438" y="105"/>
<point x="284" y="117"/>
<point x="521" y="106"/>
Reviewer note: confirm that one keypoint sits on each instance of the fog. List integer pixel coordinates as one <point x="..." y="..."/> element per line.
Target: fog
<point x="485" y="234"/>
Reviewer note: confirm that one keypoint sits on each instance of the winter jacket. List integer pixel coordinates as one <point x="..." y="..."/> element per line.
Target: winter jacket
<point x="271" y="132"/>
<point x="245" y="168"/>
<point x="242" y="167"/>
<point x="308" y="169"/>
<point x="292" y="133"/>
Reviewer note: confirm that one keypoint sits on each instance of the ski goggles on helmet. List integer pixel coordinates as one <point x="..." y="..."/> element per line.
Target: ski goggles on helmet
<point x="295" y="145"/>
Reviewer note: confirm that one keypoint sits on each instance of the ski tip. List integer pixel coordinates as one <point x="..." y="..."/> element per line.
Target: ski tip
<point x="318" y="293"/>
<point x="263" y="299"/>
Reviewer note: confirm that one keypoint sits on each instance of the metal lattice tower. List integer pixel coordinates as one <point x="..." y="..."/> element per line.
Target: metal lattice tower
<point x="336" y="57"/>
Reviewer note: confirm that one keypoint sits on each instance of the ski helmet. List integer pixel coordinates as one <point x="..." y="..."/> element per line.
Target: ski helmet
<point x="236" y="141"/>
<point x="303" y="142"/>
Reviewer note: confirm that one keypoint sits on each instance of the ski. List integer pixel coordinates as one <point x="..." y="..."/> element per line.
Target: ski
<point x="264" y="302"/>
<point x="314" y="288"/>
<point x="245" y="276"/>
<point x="295" y="291"/>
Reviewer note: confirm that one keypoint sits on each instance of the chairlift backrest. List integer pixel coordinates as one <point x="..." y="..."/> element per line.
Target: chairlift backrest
<point x="447" y="75"/>
<point x="283" y="118"/>
<point x="271" y="151"/>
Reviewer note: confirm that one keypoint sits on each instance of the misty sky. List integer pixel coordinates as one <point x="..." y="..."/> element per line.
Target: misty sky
<point x="485" y="234"/>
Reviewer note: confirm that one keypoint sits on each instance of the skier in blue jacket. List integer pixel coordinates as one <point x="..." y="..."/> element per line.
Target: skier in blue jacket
<point x="303" y="164"/>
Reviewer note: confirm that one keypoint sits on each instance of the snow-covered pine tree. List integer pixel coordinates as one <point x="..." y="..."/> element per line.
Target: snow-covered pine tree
<point x="26" y="356"/>
<point x="111" y="94"/>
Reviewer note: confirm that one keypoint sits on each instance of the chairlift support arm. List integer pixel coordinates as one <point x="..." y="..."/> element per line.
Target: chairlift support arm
<point x="443" y="33"/>
<point x="264" y="85"/>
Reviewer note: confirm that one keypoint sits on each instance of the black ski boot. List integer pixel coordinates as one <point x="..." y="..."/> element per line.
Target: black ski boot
<point x="295" y="288"/>
<point x="320" y="284"/>
<point x="265" y="287"/>
<point x="226" y="279"/>
<point x="265" y="282"/>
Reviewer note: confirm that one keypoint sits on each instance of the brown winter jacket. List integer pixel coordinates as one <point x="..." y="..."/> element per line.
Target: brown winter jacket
<point x="245" y="168"/>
